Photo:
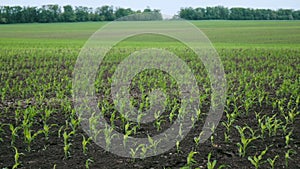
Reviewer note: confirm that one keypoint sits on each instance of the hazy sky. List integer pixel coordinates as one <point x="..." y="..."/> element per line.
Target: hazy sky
<point x="169" y="7"/>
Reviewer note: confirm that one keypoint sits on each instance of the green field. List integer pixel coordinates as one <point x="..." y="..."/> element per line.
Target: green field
<point x="39" y="127"/>
<point x="223" y="34"/>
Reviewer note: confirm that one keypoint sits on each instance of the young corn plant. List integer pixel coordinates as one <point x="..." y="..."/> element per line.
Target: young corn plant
<point x="87" y="163"/>
<point x="290" y="116"/>
<point x="139" y="119"/>
<point x="212" y="164"/>
<point x="67" y="144"/>
<point x="243" y="145"/>
<point x="14" y="133"/>
<point x="128" y="132"/>
<point x="262" y="125"/>
<point x="29" y="136"/>
<point x="108" y="136"/>
<point x="272" y="125"/>
<point x="288" y="139"/>
<point x="46" y="115"/>
<point x="256" y="161"/>
<point x="197" y="140"/>
<point x="17" y="156"/>
<point x="144" y="150"/>
<point x="112" y="119"/>
<point x="84" y="143"/>
<point x="212" y="138"/>
<point x="158" y="120"/>
<point x="74" y="123"/>
<point x="18" y="115"/>
<point x="46" y="129"/>
<point x="178" y="146"/>
<point x="228" y="124"/>
<point x="172" y="113"/>
<point x="153" y="144"/>
<point x="133" y="152"/>
<point x="287" y="156"/>
<point x="272" y="161"/>
<point x="190" y="159"/>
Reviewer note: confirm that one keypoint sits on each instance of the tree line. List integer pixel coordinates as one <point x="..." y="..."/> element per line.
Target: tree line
<point x="223" y="13"/>
<point x="67" y="13"/>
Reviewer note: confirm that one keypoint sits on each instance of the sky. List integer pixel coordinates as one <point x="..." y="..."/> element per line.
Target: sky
<point x="167" y="7"/>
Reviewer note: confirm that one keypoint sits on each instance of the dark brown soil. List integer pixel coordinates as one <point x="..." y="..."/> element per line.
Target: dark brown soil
<point x="49" y="153"/>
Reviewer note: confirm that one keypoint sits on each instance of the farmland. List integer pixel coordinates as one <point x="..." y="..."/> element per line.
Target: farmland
<point x="260" y="126"/>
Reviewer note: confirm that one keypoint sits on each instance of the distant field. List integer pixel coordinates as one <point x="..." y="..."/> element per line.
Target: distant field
<point x="39" y="127"/>
<point x="223" y="34"/>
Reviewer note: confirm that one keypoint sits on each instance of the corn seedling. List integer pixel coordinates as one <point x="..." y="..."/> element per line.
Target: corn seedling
<point x="262" y="125"/>
<point x="178" y="146"/>
<point x="158" y="120"/>
<point x="112" y="119"/>
<point x="84" y="143"/>
<point x="212" y="138"/>
<point x="228" y="125"/>
<point x="87" y="163"/>
<point x="14" y="133"/>
<point x="242" y="147"/>
<point x="172" y="113"/>
<point x="272" y="161"/>
<point x="153" y="144"/>
<point x="287" y="156"/>
<point x="210" y="164"/>
<point x="190" y="159"/>
<point x="46" y="129"/>
<point x="288" y="138"/>
<point x="108" y="136"/>
<point x="197" y="140"/>
<point x="29" y="136"/>
<point x="46" y="115"/>
<point x="272" y="125"/>
<point x="133" y="152"/>
<point x="256" y="160"/>
<point x="67" y="145"/>
<point x="17" y="156"/>
<point x="59" y="131"/>
<point x="144" y="150"/>
<point x="74" y="124"/>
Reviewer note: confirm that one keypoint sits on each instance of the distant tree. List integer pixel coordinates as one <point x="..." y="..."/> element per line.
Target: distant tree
<point x="44" y="14"/>
<point x="147" y="9"/>
<point x="296" y="14"/>
<point x="223" y="12"/>
<point x="106" y="13"/>
<point x="3" y="15"/>
<point x="156" y="14"/>
<point x="237" y="13"/>
<point x="188" y="13"/>
<point x="200" y="13"/>
<point x="16" y="14"/>
<point x="121" y="12"/>
<point x="55" y="12"/>
<point x="49" y="13"/>
<point x="68" y="14"/>
<point x="30" y="14"/>
<point x="82" y="13"/>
